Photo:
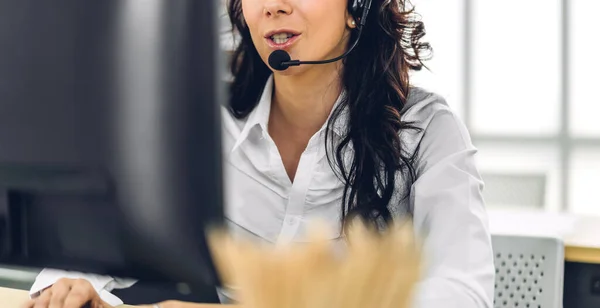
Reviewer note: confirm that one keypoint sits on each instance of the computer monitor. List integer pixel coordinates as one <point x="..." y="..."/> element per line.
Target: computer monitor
<point x="110" y="158"/>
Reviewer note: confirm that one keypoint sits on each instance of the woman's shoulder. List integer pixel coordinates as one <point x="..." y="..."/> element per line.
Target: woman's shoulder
<point x="423" y="105"/>
<point x="431" y="113"/>
<point x="441" y="133"/>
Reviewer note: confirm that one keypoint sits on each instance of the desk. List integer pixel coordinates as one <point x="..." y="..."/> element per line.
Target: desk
<point x="11" y="298"/>
<point x="581" y="237"/>
<point x="581" y="234"/>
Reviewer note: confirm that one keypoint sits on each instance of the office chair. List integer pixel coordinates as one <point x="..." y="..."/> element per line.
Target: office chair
<point x="529" y="271"/>
<point x="514" y="189"/>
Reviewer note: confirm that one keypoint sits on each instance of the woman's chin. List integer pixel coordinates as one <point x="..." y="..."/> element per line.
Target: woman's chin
<point x="288" y="72"/>
<point x="292" y="70"/>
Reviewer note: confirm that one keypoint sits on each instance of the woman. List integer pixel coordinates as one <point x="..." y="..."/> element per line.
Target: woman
<point x="333" y="141"/>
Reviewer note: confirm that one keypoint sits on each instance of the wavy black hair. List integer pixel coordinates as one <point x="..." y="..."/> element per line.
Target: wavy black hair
<point x="375" y="77"/>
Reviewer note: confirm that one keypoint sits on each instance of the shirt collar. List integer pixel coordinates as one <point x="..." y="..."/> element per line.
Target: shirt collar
<point x="260" y="115"/>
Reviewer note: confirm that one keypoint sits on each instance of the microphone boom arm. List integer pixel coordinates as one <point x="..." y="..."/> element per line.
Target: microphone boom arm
<point x="298" y="62"/>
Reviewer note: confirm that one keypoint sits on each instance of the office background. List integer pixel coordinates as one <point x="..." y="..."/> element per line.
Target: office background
<point x="522" y="74"/>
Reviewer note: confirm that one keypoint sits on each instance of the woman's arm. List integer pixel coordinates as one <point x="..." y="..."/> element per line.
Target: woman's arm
<point x="101" y="284"/>
<point x="75" y="293"/>
<point x="450" y="219"/>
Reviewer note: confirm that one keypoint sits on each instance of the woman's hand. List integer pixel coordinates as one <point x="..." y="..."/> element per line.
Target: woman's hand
<point x="68" y="293"/>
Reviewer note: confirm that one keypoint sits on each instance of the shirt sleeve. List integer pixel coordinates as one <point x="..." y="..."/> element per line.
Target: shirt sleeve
<point x="450" y="219"/>
<point x="102" y="284"/>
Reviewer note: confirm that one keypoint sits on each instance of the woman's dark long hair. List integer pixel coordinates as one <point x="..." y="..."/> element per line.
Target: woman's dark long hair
<point x="375" y="77"/>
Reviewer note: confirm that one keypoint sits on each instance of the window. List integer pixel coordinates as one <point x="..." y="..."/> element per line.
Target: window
<point x="530" y="101"/>
<point x="515" y="84"/>
<point x="585" y="66"/>
<point x="444" y="28"/>
<point x="584" y="107"/>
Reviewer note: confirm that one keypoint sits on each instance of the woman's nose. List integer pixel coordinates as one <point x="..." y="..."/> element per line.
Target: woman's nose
<point x="274" y="8"/>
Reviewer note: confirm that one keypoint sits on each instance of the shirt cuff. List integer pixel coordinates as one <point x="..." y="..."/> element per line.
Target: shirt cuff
<point x="48" y="277"/>
<point x="110" y="298"/>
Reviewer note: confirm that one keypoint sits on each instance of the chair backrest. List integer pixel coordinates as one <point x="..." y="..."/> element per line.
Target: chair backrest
<point x="529" y="271"/>
<point x="513" y="189"/>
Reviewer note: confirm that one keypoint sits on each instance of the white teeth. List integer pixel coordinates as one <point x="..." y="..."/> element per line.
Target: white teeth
<point x="280" y="41"/>
<point x="281" y="38"/>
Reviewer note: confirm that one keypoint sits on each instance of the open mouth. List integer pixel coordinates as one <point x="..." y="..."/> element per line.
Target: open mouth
<point x="282" y="38"/>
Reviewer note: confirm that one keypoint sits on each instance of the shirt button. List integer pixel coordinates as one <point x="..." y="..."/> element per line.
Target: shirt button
<point x="291" y="221"/>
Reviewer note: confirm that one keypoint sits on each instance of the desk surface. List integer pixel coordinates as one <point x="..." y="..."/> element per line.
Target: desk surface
<point x="11" y="298"/>
<point x="581" y="234"/>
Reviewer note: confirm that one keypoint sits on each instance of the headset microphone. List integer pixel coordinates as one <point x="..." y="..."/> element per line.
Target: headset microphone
<point x="280" y="60"/>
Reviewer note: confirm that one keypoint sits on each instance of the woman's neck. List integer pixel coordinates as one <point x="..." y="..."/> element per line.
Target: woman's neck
<point x="302" y="103"/>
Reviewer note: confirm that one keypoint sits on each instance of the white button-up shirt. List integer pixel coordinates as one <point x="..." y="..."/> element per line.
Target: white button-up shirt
<point x="445" y="204"/>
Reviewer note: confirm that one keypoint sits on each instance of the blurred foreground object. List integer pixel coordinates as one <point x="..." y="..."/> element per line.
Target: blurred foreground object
<point x="377" y="270"/>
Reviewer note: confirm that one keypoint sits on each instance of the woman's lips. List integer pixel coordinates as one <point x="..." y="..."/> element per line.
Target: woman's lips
<point x="273" y="45"/>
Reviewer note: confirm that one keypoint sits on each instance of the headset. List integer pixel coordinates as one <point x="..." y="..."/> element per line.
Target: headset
<point x="359" y="9"/>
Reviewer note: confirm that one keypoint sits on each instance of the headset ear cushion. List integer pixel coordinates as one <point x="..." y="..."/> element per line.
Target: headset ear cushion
<point x="353" y="6"/>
